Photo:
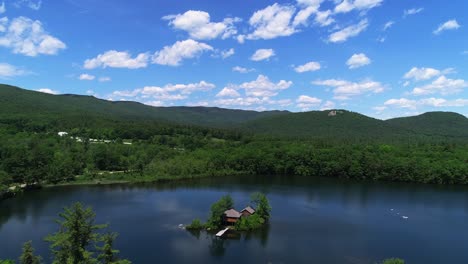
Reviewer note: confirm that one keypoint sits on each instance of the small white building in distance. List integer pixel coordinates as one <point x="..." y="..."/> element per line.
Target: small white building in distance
<point x="62" y="134"/>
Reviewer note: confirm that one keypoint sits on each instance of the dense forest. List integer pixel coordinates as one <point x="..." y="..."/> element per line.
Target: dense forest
<point x="130" y="145"/>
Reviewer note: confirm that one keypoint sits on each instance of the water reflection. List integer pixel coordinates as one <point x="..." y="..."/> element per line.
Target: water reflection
<point x="217" y="247"/>
<point x="313" y="220"/>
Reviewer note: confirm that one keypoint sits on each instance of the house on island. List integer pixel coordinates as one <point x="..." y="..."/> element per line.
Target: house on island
<point x="231" y="216"/>
<point x="248" y="211"/>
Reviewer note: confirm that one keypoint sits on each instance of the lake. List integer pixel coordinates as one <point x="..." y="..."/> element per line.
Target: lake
<point x="313" y="220"/>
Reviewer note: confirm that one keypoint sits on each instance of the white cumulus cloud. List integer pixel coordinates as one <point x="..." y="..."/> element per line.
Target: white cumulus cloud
<point x="308" y="67"/>
<point x="186" y="49"/>
<point x="442" y="85"/>
<point x="86" y="77"/>
<point x="327" y="105"/>
<point x="199" y="26"/>
<point x="358" y="60"/>
<point x="272" y="22"/>
<point x="419" y="74"/>
<point x="323" y="18"/>
<point x="401" y="103"/>
<point x="262" y="54"/>
<point x="303" y="15"/>
<point x="48" y="91"/>
<point x="344" y="90"/>
<point x="431" y="102"/>
<point x="117" y="59"/>
<point x="242" y="69"/>
<point x="28" y="37"/>
<point x="168" y="92"/>
<point x="263" y="87"/>
<point x="228" y="92"/>
<point x="306" y="102"/>
<point x="227" y="53"/>
<point x="349" y="5"/>
<point x="8" y="71"/>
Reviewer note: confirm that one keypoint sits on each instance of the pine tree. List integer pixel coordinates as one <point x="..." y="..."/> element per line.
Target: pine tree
<point x="76" y="234"/>
<point x="108" y="253"/>
<point x="27" y="257"/>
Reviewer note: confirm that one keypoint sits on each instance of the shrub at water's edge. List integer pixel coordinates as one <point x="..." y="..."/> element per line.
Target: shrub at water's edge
<point x="393" y="261"/>
<point x="195" y="225"/>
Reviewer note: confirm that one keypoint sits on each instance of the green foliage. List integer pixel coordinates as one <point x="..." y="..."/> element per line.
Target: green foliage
<point x="195" y="225"/>
<point x="252" y="222"/>
<point x="348" y="145"/>
<point x="76" y="242"/>
<point x="393" y="261"/>
<point x="28" y="257"/>
<point x="215" y="219"/>
<point x="444" y="124"/>
<point x="75" y="235"/>
<point x="5" y="181"/>
<point x="108" y="253"/>
<point x="318" y="124"/>
<point x="262" y="205"/>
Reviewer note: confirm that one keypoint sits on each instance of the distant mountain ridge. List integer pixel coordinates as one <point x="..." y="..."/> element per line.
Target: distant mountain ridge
<point x="434" y="123"/>
<point x="17" y="103"/>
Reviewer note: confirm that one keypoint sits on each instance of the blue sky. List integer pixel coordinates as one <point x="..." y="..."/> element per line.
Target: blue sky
<point x="378" y="57"/>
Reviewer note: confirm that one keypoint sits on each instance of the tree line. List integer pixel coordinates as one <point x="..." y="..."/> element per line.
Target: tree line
<point x="28" y="157"/>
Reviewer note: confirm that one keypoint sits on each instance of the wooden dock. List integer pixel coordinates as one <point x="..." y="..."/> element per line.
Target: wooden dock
<point x="221" y="233"/>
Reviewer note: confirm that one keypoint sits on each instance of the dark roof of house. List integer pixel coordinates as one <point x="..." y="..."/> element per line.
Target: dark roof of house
<point x="249" y="209"/>
<point x="231" y="213"/>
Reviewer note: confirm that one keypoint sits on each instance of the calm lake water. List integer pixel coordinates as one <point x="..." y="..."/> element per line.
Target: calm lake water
<point x="313" y="221"/>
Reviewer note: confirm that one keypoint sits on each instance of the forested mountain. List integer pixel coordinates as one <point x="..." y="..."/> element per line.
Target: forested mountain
<point x="324" y="124"/>
<point x="434" y="123"/>
<point x="40" y="112"/>
<point x="31" y="105"/>
<point x="155" y="143"/>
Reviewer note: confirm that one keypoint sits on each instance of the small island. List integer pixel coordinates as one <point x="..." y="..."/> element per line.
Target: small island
<point x="224" y="217"/>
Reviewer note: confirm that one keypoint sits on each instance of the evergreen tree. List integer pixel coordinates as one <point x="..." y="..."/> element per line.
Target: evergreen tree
<point x="27" y="257"/>
<point x="108" y="253"/>
<point x="75" y="235"/>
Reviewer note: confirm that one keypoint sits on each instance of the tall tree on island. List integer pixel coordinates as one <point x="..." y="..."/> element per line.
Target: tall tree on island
<point x="217" y="210"/>
<point x="262" y="205"/>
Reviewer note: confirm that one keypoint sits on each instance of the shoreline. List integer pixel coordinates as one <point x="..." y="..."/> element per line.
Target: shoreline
<point x="103" y="181"/>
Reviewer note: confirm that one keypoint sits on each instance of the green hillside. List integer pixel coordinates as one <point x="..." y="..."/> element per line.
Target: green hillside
<point x="35" y="111"/>
<point x="156" y="143"/>
<point x="31" y="105"/>
<point x="336" y="123"/>
<point x="434" y="123"/>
